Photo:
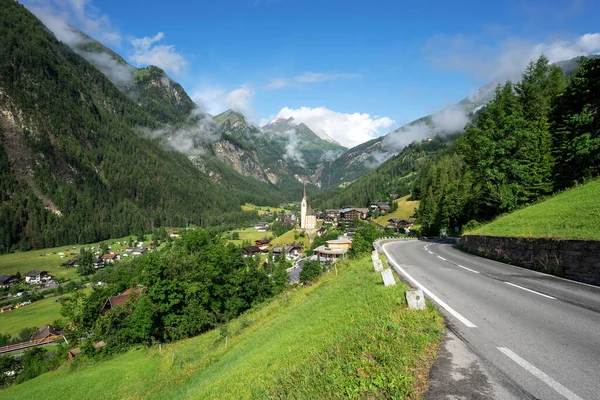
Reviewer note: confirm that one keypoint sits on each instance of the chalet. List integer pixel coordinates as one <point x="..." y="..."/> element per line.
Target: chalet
<point x="251" y="251"/>
<point x="72" y="263"/>
<point x="333" y="249"/>
<point x="121" y="299"/>
<point x="110" y="258"/>
<point x="399" y="224"/>
<point x="98" y="263"/>
<point x="37" y="277"/>
<point x="380" y="206"/>
<point x="393" y="196"/>
<point x="262" y="244"/>
<point x="7" y="281"/>
<point x="293" y="251"/>
<point x="322" y="230"/>
<point x="262" y="226"/>
<point x="277" y="250"/>
<point x="353" y="213"/>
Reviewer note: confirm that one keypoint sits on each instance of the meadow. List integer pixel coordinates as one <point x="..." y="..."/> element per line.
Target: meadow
<point x="572" y="214"/>
<point x="406" y="210"/>
<point x="346" y="336"/>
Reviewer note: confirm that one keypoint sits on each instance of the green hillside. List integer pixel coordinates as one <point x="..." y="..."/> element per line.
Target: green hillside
<point x="74" y="167"/>
<point x="406" y="210"/>
<point x="573" y="214"/>
<point x="361" y="342"/>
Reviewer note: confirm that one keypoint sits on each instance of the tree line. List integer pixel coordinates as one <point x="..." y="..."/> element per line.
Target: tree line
<point x="536" y="137"/>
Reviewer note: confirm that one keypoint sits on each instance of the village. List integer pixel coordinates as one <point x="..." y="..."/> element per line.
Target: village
<point x="296" y="236"/>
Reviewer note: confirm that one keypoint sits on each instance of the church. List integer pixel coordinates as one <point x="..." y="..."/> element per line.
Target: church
<point x="308" y="219"/>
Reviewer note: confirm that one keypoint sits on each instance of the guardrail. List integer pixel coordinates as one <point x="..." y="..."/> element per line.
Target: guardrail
<point x="381" y="241"/>
<point x="26" y="345"/>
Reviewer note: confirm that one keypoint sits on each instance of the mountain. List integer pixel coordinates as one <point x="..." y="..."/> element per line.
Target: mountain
<point x="76" y="162"/>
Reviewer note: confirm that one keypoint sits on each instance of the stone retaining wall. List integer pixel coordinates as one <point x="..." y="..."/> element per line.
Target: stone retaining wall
<point x="578" y="260"/>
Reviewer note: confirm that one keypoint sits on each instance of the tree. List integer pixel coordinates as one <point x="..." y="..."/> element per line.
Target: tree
<point x="85" y="263"/>
<point x="310" y="271"/>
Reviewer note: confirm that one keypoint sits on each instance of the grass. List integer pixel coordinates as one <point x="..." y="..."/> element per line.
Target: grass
<point x="573" y="214"/>
<point x="347" y="336"/>
<point x="38" y="314"/>
<point x="289" y="237"/>
<point x="250" y="234"/>
<point x="263" y="209"/>
<point x="49" y="259"/>
<point x="406" y="210"/>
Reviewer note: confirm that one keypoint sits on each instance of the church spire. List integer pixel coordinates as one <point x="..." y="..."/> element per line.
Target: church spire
<point x="304" y="197"/>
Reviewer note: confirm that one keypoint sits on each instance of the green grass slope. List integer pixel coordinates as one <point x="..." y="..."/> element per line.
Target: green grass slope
<point x="347" y="336"/>
<point x="573" y="214"/>
<point x="406" y="210"/>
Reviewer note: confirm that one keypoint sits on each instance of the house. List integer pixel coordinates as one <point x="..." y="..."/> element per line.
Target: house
<point x="37" y="277"/>
<point x="393" y="196"/>
<point x="399" y="224"/>
<point x="71" y="263"/>
<point x="98" y="263"/>
<point x="353" y="213"/>
<point x="251" y="251"/>
<point x="293" y="251"/>
<point x="277" y="250"/>
<point x="262" y="244"/>
<point x="380" y="206"/>
<point x="333" y="249"/>
<point x="322" y="230"/>
<point x="47" y="332"/>
<point x="262" y="226"/>
<point x="7" y="281"/>
<point x="110" y="258"/>
<point x="121" y="299"/>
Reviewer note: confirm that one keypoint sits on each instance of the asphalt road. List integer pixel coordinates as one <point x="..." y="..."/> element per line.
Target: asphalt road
<point x="540" y="333"/>
<point x="294" y="274"/>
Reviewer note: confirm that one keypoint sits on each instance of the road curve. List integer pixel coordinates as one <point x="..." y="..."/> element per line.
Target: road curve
<point x="540" y="332"/>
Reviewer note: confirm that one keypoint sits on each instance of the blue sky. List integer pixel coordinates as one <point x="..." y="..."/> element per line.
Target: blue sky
<point x="351" y="69"/>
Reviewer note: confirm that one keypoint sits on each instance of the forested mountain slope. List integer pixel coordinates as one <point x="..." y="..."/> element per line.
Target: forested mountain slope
<point x="74" y="166"/>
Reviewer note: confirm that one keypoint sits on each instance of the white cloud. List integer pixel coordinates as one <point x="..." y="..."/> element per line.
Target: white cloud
<point x="307" y="78"/>
<point x="240" y="98"/>
<point x="347" y="129"/>
<point x="504" y="60"/>
<point x="146" y="51"/>
<point x="216" y="100"/>
<point x="58" y="14"/>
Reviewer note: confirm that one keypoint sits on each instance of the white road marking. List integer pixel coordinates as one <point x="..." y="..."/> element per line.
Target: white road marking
<point x="441" y="258"/>
<point x="468" y="269"/>
<point x="540" y="375"/>
<point x="451" y="310"/>
<point x="429" y="252"/>
<point x="532" y="291"/>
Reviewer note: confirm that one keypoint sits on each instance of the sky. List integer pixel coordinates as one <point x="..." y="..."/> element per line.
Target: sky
<point x="353" y="69"/>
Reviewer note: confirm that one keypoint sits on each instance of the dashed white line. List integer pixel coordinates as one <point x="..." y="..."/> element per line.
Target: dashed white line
<point x="468" y="269"/>
<point x="442" y="304"/>
<point x="430" y="252"/>
<point x="540" y="375"/>
<point x="441" y="258"/>
<point x="532" y="291"/>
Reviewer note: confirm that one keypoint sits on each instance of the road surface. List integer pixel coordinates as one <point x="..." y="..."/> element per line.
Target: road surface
<point x="294" y="273"/>
<point x="538" y="332"/>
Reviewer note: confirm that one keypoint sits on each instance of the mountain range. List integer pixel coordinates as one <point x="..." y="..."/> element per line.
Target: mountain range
<point x="94" y="147"/>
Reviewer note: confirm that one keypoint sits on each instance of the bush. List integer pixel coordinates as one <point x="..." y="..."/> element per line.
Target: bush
<point x="310" y="271"/>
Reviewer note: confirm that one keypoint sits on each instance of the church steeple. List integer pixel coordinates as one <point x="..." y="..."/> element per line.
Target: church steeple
<point x="303" y="208"/>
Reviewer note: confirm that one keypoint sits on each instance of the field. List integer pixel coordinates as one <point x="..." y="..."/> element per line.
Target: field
<point x="262" y="209"/>
<point x="406" y="210"/>
<point x="38" y="314"/>
<point x="250" y="234"/>
<point x="288" y="238"/>
<point x="573" y="214"/>
<point x="49" y="259"/>
<point x="361" y="342"/>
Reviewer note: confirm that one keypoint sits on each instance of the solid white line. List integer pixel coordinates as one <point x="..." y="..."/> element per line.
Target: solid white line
<point x="540" y="375"/>
<point x="451" y="310"/>
<point x="468" y="269"/>
<point x="441" y="258"/>
<point x="529" y="290"/>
